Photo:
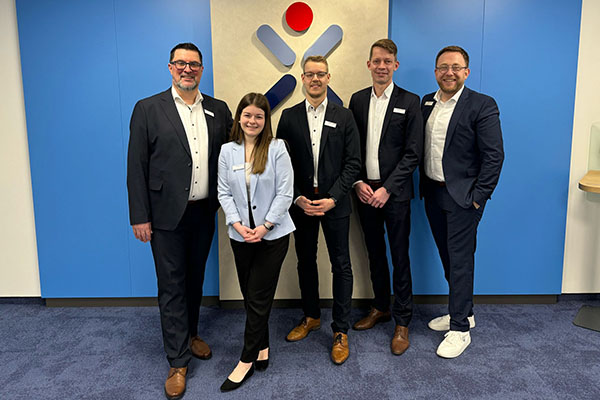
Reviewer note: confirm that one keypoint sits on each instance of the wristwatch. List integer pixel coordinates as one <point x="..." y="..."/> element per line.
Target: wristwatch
<point x="269" y="226"/>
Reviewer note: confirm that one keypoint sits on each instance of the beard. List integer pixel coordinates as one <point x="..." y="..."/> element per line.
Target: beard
<point x="186" y="88"/>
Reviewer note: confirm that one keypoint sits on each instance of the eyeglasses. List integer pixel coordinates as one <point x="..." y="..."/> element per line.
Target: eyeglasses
<point x="455" y="68"/>
<point x="180" y="65"/>
<point x="320" y="75"/>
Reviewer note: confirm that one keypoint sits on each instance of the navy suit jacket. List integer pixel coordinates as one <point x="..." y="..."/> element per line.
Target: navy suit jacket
<point x="473" y="151"/>
<point x="159" y="162"/>
<point x="339" y="154"/>
<point x="401" y="143"/>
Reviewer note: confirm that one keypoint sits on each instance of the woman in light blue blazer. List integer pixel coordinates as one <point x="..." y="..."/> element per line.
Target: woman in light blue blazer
<point x="255" y="189"/>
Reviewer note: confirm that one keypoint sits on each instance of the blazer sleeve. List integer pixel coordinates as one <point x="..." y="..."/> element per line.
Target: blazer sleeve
<point x="351" y="162"/>
<point x="283" y="132"/>
<point x="224" y="193"/>
<point x="355" y="106"/>
<point x="137" y="167"/>
<point x="413" y="151"/>
<point x="284" y="183"/>
<point x="491" y="150"/>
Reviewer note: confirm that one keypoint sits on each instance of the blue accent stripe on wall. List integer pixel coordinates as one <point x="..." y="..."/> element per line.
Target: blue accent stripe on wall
<point x="84" y="65"/>
<point x="519" y="57"/>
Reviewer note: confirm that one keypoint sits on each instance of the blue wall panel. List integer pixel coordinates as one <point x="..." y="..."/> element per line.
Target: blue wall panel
<point x="85" y="64"/>
<point x="510" y="43"/>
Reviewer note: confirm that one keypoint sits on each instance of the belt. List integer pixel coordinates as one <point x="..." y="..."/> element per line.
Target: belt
<point x="437" y="183"/>
<point x="375" y="184"/>
<point x="316" y="190"/>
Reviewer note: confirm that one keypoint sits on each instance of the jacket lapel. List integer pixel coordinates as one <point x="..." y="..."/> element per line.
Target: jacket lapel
<point x="427" y="109"/>
<point x="303" y="124"/>
<point x="458" y="110"/>
<point x="329" y="116"/>
<point x="388" y="112"/>
<point x="208" y="105"/>
<point x="239" y="158"/>
<point x="168" y="105"/>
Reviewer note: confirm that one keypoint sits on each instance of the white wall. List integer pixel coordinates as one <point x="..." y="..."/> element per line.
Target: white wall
<point x="19" y="276"/>
<point x="581" y="271"/>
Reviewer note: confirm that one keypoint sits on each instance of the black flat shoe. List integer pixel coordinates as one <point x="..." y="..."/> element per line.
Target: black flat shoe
<point x="261" y="365"/>
<point x="229" y="385"/>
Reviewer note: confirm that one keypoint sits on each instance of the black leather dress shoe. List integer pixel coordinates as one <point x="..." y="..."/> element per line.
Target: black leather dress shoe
<point x="229" y="385"/>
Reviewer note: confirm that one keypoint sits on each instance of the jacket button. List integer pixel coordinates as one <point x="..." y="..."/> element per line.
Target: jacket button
<point x="187" y="189"/>
<point x="189" y="164"/>
<point x="254" y="207"/>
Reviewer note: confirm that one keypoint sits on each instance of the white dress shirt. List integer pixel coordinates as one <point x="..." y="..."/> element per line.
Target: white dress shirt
<point x="316" y="119"/>
<point x="377" y="109"/>
<point x="194" y="123"/>
<point x="435" y="134"/>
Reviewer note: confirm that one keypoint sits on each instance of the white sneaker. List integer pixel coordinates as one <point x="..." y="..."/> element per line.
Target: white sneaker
<point x="442" y="323"/>
<point x="454" y="344"/>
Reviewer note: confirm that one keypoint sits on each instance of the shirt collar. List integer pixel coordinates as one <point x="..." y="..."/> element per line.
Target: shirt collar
<point x="438" y="95"/>
<point x="387" y="93"/>
<point x="177" y="97"/>
<point x="321" y="106"/>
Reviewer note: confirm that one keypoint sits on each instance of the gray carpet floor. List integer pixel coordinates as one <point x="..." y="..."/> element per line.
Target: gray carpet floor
<point x="517" y="352"/>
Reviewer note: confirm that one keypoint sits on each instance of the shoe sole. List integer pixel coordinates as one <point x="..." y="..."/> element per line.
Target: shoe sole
<point x="316" y="328"/>
<point x="451" y="357"/>
<point x="208" y="357"/>
<point x="175" y="397"/>
<point x="383" y="319"/>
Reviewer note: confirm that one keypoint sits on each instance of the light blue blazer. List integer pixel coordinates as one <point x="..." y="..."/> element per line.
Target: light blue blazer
<point x="270" y="192"/>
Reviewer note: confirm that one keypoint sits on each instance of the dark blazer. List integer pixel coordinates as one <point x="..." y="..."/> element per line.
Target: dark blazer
<point x="159" y="163"/>
<point x="473" y="152"/>
<point x="339" y="154"/>
<point x="401" y="143"/>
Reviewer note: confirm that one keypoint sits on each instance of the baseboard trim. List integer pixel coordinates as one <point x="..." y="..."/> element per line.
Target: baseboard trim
<point x="295" y="303"/>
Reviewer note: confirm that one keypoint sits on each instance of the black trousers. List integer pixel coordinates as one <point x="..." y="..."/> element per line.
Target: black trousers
<point x="395" y="215"/>
<point x="180" y="260"/>
<point x="455" y="233"/>
<point x="258" y="266"/>
<point x="336" y="231"/>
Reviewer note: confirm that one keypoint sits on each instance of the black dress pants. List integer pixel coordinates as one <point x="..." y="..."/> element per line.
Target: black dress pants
<point x="455" y="233"/>
<point x="258" y="266"/>
<point x="180" y="260"/>
<point x="306" y="235"/>
<point x="396" y="217"/>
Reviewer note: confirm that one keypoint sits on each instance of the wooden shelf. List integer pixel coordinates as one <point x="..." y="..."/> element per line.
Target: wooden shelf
<point x="590" y="182"/>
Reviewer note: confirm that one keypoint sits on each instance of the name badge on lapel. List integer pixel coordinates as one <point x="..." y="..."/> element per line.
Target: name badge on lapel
<point x="208" y="112"/>
<point x="429" y="103"/>
<point x="330" y="124"/>
<point x="238" y="167"/>
<point x="399" y="110"/>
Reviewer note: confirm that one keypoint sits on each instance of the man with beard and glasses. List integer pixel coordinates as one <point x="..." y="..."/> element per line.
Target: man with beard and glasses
<point x="174" y="144"/>
<point x="463" y="156"/>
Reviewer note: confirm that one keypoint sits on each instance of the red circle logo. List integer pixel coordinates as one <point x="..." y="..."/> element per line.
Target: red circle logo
<point x="299" y="16"/>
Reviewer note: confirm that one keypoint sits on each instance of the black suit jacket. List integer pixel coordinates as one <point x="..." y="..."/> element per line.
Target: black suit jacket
<point x="473" y="151"/>
<point x="401" y="143"/>
<point x="339" y="154"/>
<point x="159" y="163"/>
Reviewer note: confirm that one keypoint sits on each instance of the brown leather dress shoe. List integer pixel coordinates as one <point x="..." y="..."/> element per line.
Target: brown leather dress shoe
<point x="175" y="384"/>
<point x="340" y="349"/>
<point x="307" y="325"/>
<point x="371" y="319"/>
<point x="200" y="349"/>
<point x="400" y="340"/>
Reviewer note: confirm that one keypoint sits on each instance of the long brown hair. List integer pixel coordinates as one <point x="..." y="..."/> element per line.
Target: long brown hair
<point x="261" y="147"/>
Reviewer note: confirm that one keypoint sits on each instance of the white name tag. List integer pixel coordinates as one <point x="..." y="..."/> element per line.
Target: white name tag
<point x="330" y="124"/>
<point x="238" y="167"/>
<point x="208" y="112"/>
<point x="429" y="103"/>
<point x="399" y="110"/>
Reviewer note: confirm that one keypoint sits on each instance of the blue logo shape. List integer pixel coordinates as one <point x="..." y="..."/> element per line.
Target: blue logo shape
<point x="275" y="43"/>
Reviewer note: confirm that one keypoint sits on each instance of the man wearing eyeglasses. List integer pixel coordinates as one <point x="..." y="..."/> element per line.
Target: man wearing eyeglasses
<point x="174" y="144"/>
<point x="463" y="156"/>
<point x="391" y="133"/>
<point x="324" y="148"/>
